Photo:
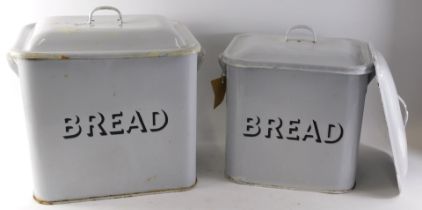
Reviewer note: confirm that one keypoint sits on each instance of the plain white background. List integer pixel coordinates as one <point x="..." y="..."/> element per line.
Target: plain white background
<point x="393" y="27"/>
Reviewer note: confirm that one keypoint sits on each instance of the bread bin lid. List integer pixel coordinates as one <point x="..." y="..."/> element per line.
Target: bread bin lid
<point x="274" y="51"/>
<point x="393" y="117"/>
<point x="111" y="36"/>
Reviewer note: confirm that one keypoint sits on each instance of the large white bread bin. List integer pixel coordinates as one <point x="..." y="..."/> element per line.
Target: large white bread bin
<point x="110" y="103"/>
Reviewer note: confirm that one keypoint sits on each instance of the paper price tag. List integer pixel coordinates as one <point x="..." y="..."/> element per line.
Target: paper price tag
<point x="219" y="88"/>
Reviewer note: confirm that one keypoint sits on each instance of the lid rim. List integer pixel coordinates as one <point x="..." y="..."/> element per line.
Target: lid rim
<point x="355" y="70"/>
<point x="27" y="55"/>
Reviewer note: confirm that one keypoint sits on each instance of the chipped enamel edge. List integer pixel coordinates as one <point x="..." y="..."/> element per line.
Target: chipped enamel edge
<point x="118" y="196"/>
<point x="66" y="56"/>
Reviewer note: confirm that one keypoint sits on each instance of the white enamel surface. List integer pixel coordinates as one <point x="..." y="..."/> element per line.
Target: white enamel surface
<point x="335" y="55"/>
<point x="393" y="117"/>
<point x="112" y="164"/>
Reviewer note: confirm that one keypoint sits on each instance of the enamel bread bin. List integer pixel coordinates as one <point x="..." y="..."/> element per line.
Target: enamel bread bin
<point x="295" y="106"/>
<point x="110" y="103"/>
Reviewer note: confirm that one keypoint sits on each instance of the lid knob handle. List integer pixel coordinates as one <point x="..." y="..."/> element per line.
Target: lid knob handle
<point x="91" y="14"/>
<point x="300" y="27"/>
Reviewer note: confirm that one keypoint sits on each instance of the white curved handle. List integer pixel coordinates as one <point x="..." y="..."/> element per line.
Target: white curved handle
<point x="406" y="111"/>
<point x="12" y="63"/>
<point x="91" y="14"/>
<point x="200" y="58"/>
<point x="300" y="27"/>
<point x="222" y="64"/>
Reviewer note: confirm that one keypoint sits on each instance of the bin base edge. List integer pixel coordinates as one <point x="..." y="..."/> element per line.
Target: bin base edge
<point x="118" y="196"/>
<point x="239" y="180"/>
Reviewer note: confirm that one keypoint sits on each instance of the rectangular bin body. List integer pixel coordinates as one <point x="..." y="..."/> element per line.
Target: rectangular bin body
<point x="112" y="121"/>
<point x="294" y="111"/>
<point x="284" y="128"/>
